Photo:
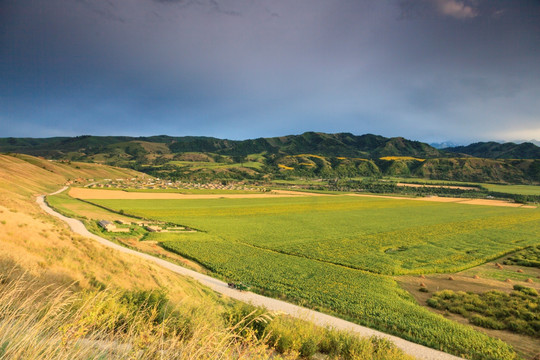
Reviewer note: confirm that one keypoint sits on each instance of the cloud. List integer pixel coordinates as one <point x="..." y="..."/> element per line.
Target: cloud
<point x="196" y="67"/>
<point x="456" y="9"/>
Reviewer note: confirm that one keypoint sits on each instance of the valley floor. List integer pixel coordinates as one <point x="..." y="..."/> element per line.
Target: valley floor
<point x="418" y="351"/>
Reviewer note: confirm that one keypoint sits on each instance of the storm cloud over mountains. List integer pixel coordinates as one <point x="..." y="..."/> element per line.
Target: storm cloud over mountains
<point x="430" y="70"/>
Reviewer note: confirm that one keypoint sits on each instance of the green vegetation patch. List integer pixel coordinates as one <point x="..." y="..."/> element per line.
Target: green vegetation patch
<point x="518" y="311"/>
<point x="527" y="257"/>
<point x="514" y="189"/>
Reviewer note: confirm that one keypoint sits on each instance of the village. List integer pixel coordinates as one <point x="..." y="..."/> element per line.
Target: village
<point x="147" y="183"/>
<point x="123" y="226"/>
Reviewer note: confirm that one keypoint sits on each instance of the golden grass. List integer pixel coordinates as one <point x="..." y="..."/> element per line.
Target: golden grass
<point x="44" y="247"/>
<point x="310" y="155"/>
<point x="60" y="324"/>
<point x="388" y="158"/>
<point x="355" y="159"/>
<point x="285" y="167"/>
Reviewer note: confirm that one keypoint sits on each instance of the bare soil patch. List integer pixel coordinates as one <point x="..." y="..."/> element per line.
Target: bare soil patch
<point x="466" y="201"/>
<point x="490" y="202"/>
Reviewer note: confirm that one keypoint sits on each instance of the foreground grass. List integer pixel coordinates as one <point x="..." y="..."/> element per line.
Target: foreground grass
<point x="57" y="323"/>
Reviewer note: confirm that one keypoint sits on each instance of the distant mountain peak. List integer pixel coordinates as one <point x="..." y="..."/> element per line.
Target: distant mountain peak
<point x="495" y="150"/>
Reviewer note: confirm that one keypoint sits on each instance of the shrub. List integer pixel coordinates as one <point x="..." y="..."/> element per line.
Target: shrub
<point x="332" y="343"/>
<point x="308" y="348"/>
<point x="486" y="322"/>
<point x="517" y="312"/>
<point x="284" y="343"/>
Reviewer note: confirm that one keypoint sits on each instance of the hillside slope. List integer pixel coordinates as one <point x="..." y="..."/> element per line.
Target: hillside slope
<point x="41" y="245"/>
<point x="45" y="267"/>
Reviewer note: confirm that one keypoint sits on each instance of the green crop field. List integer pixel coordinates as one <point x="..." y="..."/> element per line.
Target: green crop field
<point x="387" y="236"/>
<point x="514" y="189"/>
<point x="337" y="253"/>
<point x="509" y="189"/>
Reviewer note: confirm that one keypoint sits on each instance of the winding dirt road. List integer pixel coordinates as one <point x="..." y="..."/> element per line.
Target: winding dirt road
<point x="418" y="351"/>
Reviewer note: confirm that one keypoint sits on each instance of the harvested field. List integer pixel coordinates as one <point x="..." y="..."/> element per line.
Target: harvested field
<point x="465" y="201"/>
<point x="84" y="193"/>
<point x="491" y="203"/>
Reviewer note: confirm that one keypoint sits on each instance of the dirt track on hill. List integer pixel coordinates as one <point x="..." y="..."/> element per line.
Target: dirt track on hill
<point x="418" y="351"/>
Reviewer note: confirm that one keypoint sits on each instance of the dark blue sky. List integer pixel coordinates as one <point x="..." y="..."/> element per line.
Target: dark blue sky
<point x="428" y="70"/>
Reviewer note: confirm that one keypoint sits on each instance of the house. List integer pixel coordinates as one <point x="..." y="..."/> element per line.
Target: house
<point x="107" y="225"/>
<point x="153" y="228"/>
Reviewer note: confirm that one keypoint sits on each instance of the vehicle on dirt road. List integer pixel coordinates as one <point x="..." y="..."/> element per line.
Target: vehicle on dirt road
<point x="238" y="286"/>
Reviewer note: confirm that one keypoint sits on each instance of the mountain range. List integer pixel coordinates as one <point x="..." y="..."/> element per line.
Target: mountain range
<point x="309" y="154"/>
<point x="495" y="150"/>
<point x="340" y="144"/>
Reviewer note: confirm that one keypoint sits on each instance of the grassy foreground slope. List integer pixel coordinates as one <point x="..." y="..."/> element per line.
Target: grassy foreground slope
<point x="65" y="296"/>
<point x="297" y="247"/>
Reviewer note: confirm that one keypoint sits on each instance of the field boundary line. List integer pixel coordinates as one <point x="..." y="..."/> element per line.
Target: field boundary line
<point x="318" y="318"/>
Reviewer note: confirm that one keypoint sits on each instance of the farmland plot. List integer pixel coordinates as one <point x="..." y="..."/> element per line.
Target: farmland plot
<point x="386" y="236"/>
